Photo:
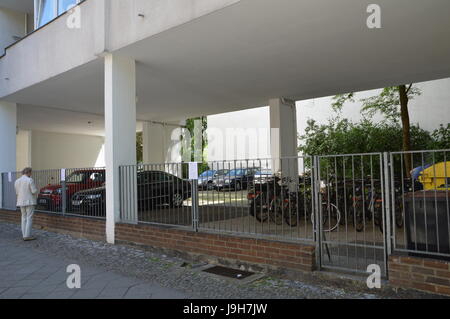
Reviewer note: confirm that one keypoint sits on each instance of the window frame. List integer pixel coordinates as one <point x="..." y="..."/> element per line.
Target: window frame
<point x="56" y="5"/>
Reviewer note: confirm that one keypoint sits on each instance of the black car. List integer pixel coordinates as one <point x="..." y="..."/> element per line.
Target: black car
<point x="236" y="179"/>
<point x="154" y="189"/>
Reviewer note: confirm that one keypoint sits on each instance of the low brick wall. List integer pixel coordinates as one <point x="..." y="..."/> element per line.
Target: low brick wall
<point x="429" y="275"/>
<point x="226" y="248"/>
<point x="80" y="227"/>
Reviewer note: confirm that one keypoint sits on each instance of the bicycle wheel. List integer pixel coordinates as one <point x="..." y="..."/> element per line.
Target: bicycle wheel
<point x="331" y="217"/>
<point x="357" y="211"/>
<point x="276" y="211"/>
<point x="260" y="208"/>
<point x="291" y="213"/>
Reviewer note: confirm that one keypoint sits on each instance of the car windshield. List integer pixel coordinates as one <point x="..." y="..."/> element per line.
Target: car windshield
<point x="207" y="174"/>
<point x="222" y="172"/>
<point x="77" y="177"/>
<point x="83" y="177"/>
<point x="236" y="172"/>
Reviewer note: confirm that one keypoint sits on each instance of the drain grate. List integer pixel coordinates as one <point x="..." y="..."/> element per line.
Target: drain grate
<point x="228" y="272"/>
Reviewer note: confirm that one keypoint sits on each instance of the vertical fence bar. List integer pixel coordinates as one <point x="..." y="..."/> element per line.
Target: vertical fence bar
<point x="317" y="216"/>
<point x="388" y="188"/>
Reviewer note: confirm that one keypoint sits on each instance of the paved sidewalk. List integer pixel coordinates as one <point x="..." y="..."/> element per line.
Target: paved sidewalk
<point x="37" y="269"/>
<point x="27" y="273"/>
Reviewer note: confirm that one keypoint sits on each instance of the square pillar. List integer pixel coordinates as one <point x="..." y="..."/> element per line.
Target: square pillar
<point x="153" y="143"/>
<point x="120" y="136"/>
<point x="283" y="137"/>
<point x="8" y="129"/>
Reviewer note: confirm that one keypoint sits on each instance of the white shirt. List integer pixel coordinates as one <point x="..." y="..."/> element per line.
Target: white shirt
<point x="26" y="191"/>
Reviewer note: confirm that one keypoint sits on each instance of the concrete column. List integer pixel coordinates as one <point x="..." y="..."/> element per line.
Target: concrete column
<point x="120" y="134"/>
<point x="283" y="137"/>
<point x="8" y="129"/>
<point x="154" y="143"/>
<point x="161" y="143"/>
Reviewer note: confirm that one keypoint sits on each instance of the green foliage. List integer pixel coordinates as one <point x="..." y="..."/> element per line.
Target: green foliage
<point x="139" y="148"/>
<point x="441" y="137"/>
<point x="387" y="103"/>
<point x="345" y="137"/>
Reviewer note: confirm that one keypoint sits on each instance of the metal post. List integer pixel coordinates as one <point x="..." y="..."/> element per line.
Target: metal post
<point x="64" y="197"/>
<point x="387" y="211"/>
<point x="195" y="205"/>
<point x="316" y="211"/>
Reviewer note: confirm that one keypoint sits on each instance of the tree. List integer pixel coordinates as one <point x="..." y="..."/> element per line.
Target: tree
<point x="190" y="146"/>
<point x="139" y="148"/>
<point x="392" y="102"/>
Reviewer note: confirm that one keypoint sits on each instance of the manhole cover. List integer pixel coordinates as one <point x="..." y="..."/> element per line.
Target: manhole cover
<point x="228" y="272"/>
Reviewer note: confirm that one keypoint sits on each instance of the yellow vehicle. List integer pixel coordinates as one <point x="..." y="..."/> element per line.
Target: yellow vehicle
<point x="436" y="177"/>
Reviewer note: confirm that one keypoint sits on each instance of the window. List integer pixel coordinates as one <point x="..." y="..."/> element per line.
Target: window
<point x="47" y="10"/>
<point x="64" y="5"/>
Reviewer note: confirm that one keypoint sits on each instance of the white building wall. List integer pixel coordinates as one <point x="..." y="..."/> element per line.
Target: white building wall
<point x="429" y="110"/>
<point x="56" y="150"/>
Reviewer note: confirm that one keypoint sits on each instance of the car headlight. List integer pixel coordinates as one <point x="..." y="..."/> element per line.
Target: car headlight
<point x="226" y="181"/>
<point x="91" y="197"/>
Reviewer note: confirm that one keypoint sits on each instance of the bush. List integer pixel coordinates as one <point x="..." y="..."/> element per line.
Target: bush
<point x="345" y="137"/>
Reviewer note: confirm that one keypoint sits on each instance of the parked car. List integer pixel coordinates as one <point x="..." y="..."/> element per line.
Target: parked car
<point x="263" y="176"/>
<point x="206" y="179"/>
<point x="236" y="179"/>
<point x="50" y="197"/>
<point x="154" y="188"/>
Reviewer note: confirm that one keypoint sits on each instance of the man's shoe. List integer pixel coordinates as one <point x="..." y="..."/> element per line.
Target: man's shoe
<point x="29" y="239"/>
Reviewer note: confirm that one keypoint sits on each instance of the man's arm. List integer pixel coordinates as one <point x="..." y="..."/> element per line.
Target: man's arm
<point x="33" y="187"/>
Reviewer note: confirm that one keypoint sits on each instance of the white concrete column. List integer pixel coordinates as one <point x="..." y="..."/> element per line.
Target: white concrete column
<point x="154" y="143"/>
<point x="283" y="136"/>
<point x="8" y="129"/>
<point x="120" y="133"/>
<point x="161" y="143"/>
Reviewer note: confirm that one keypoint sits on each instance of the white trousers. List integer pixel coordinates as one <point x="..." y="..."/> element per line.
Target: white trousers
<point x="27" y="220"/>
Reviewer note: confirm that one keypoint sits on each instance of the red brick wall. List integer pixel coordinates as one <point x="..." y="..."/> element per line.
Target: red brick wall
<point x="76" y="226"/>
<point x="292" y="256"/>
<point x="428" y="275"/>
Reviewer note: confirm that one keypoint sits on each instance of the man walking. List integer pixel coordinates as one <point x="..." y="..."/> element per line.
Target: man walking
<point x="26" y="199"/>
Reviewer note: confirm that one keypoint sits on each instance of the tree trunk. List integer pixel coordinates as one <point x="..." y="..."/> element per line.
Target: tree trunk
<point x="406" y="127"/>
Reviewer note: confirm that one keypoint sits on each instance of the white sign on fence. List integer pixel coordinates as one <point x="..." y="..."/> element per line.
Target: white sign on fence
<point x="63" y="174"/>
<point x="193" y="171"/>
<point x="10" y="177"/>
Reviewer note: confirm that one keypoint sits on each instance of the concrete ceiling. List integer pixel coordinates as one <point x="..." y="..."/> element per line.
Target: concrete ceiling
<point x="243" y="55"/>
<point x="26" y="6"/>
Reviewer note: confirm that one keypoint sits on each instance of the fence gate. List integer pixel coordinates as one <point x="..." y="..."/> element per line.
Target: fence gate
<point x="350" y="206"/>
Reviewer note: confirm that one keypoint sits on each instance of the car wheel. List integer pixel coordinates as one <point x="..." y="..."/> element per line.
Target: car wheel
<point x="238" y="186"/>
<point x="176" y="200"/>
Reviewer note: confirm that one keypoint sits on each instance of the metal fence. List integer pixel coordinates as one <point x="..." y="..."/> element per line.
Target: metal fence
<point x="357" y="208"/>
<point x="351" y="205"/>
<point x="75" y="191"/>
<point x="420" y="205"/>
<point x="156" y="194"/>
<point x="264" y="197"/>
